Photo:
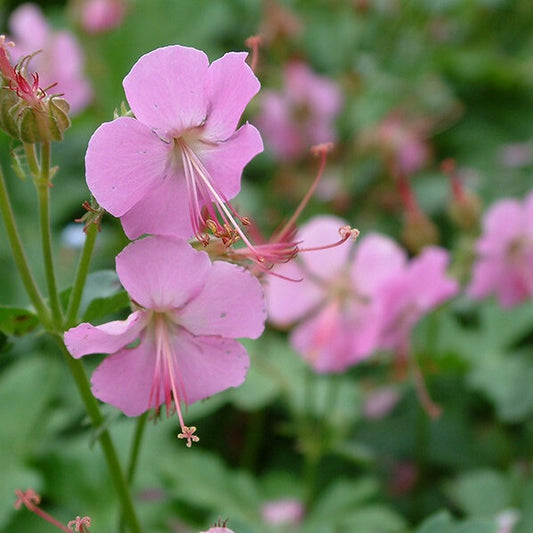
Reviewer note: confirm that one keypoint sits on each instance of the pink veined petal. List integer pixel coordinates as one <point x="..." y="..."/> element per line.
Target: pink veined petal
<point x="230" y="304"/>
<point x="124" y="161"/>
<point x="125" y="378"/>
<point x="162" y="273"/>
<point x="289" y="301"/>
<point x="226" y="160"/>
<point x="208" y="365"/>
<point x="319" y="231"/>
<point x="231" y="84"/>
<point x="377" y="258"/>
<point x="162" y="211"/>
<point x="107" y="338"/>
<point x="166" y="89"/>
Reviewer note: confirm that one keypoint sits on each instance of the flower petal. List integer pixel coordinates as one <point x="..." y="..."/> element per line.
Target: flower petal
<point x="208" y="365"/>
<point x="162" y="211"/>
<point x="124" y="161"/>
<point x="107" y="338"/>
<point x="166" y="89"/>
<point x="231" y="84"/>
<point x="125" y="379"/>
<point x="225" y="160"/>
<point x="231" y="304"/>
<point x="162" y="273"/>
<point x="288" y="300"/>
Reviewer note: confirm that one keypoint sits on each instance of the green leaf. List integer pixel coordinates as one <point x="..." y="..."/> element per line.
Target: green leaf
<point x="17" y="320"/>
<point x="101" y="307"/>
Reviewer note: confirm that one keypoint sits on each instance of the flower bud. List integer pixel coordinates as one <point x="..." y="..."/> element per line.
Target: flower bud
<point x="418" y="231"/>
<point x="465" y="210"/>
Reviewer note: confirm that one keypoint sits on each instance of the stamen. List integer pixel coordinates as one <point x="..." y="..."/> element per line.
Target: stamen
<point x="80" y="524"/>
<point x="204" y="193"/>
<point x="254" y="42"/>
<point x="346" y="232"/>
<point x="31" y="500"/>
<point x="168" y="377"/>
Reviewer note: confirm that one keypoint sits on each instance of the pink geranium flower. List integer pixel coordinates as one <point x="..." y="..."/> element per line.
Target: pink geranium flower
<point x="334" y="307"/>
<point x="187" y="315"/>
<point x="411" y="293"/>
<point x="102" y="15"/>
<point x="173" y="168"/>
<point x="301" y="114"/>
<point x="505" y="253"/>
<point x="59" y="58"/>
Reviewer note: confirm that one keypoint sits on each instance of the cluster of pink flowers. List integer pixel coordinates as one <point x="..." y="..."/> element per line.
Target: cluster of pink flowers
<point x="353" y="300"/>
<point x="301" y="114"/>
<point x="163" y="172"/>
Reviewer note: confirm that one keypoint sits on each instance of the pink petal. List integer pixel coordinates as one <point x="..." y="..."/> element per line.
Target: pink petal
<point x="503" y="222"/>
<point x="124" y="161"/>
<point x="162" y="273"/>
<point x="320" y="231"/>
<point x="485" y="276"/>
<point x="164" y="210"/>
<point x="166" y="89"/>
<point x="287" y="300"/>
<point x="107" y="338"/>
<point x="226" y="160"/>
<point x="231" y="304"/>
<point x="125" y="378"/>
<point x="377" y="258"/>
<point x="29" y="26"/>
<point x="231" y="84"/>
<point x="209" y="364"/>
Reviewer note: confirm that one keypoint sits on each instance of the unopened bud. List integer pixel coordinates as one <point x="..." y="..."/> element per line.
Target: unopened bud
<point x="466" y="210"/>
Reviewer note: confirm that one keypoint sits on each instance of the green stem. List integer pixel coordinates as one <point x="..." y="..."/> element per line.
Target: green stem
<point x="43" y="193"/>
<point x="136" y="446"/>
<point x="113" y="464"/>
<point x="20" y="257"/>
<point x="81" y="276"/>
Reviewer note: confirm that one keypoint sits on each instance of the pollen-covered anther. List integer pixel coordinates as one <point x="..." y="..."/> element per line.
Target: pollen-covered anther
<point x="188" y="434"/>
<point x="322" y="148"/>
<point x="347" y="232"/>
<point x="80" y="524"/>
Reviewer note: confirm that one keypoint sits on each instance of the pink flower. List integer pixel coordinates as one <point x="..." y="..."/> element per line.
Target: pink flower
<point x="285" y="511"/>
<point x="302" y="114"/>
<point x="102" y="15"/>
<point x="59" y="59"/>
<point x="218" y="529"/>
<point x="337" y="316"/>
<point x="188" y="312"/>
<point x="162" y="171"/>
<point x="411" y="293"/>
<point x="505" y="253"/>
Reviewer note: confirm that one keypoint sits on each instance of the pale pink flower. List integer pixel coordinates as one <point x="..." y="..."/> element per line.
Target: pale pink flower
<point x="173" y="168"/>
<point x="218" y="529"/>
<point x="285" y="511"/>
<point x="333" y="306"/>
<point x="301" y="114"/>
<point x="504" y="265"/>
<point x="380" y="402"/>
<point x="59" y="58"/>
<point x="187" y="315"/>
<point x="102" y="15"/>
<point x="411" y="293"/>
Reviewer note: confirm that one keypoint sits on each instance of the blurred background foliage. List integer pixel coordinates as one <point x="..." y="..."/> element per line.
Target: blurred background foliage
<point x="462" y="71"/>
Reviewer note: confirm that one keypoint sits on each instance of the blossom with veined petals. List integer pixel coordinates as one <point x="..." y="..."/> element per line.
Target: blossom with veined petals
<point x="505" y="253"/>
<point x="173" y="168"/>
<point x="188" y="314"/>
<point x="334" y="304"/>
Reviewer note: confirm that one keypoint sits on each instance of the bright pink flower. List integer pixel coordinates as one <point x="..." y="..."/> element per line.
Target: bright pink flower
<point x="337" y="316"/>
<point x="162" y="171"/>
<point x="59" y="58"/>
<point x="102" y="15"/>
<point x="302" y="114"/>
<point x="411" y="293"/>
<point x="218" y="529"/>
<point x="505" y="253"/>
<point x="188" y="313"/>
